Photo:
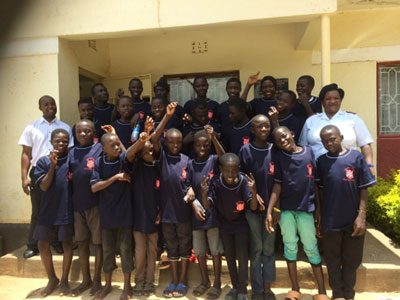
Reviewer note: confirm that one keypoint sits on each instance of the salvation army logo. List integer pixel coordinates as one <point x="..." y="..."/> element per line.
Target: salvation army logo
<point x="246" y="140"/>
<point x="310" y="171"/>
<point x="210" y="114"/>
<point x="90" y="161"/>
<point x="349" y="171"/>
<point x="271" y="168"/>
<point x="239" y="206"/>
<point x="211" y="174"/>
<point x="157" y="183"/>
<point x="141" y="115"/>
<point x="183" y="176"/>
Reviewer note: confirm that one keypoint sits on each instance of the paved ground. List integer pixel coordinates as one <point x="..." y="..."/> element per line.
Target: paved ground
<point x="23" y="288"/>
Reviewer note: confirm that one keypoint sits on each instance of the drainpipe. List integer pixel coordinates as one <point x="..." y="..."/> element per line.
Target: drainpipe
<point x="326" y="49"/>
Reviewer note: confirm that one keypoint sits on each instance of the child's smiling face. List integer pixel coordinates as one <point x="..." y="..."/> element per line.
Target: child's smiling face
<point x="158" y="109"/>
<point x="112" y="146"/>
<point x="125" y="107"/>
<point x="60" y="143"/>
<point x="268" y="89"/>
<point x="84" y="133"/>
<point x="332" y="141"/>
<point x="230" y="172"/>
<point x="86" y="111"/>
<point x="285" y="103"/>
<point x="200" y="86"/>
<point x="146" y="152"/>
<point x="202" y="147"/>
<point x="284" y="139"/>
<point x="173" y="140"/>
<point x="260" y="127"/>
<point x="135" y="88"/>
<point x="233" y="90"/>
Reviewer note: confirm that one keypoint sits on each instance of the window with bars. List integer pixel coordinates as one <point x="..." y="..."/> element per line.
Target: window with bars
<point x="389" y="99"/>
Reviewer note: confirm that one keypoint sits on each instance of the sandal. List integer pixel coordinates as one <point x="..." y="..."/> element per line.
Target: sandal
<point x="293" y="295"/>
<point x="321" y="297"/>
<point x="167" y="293"/>
<point x="269" y="296"/>
<point x="201" y="289"/>
<point x="137" y="290"/>
<point x="214" y="293"/>
<point x="148" y="289"/>
<point x="180" y="291"/>
<point x="232" y="294"/>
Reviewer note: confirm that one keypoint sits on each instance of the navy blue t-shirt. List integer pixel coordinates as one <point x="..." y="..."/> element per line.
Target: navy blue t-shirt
<point x="300" y="112"/>
<point x="296" y="173"/>
<point x="223" y="116"/>
<point x="124" y="132"/>
<point x="143" y="109"/>
<point x="115" y="202"/>
<point x="340" y="178"/>
<point x="98" y="133"/>
<point x="212" y="108"/>
<point x="56" y="204"/>
<point x="261" y="106"/>
<point x="258" y="162"/>
<point x="230" y="203"/>
<point x="103" y="115"/>
<point x="145" y="189"/>
<point x="196" y="171"/>
<point x="235" y="137"/>
<point x="82" y="161"/>
<point x="291" y="122"/>
<point x="173" y="188"/>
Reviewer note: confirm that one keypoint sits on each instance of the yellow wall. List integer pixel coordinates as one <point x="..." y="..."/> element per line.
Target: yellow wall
<point x="23" y="81"/>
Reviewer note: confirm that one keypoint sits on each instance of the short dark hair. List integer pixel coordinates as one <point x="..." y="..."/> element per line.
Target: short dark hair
<point x="291" y="94"/>
<point x="85" y="121"/>
<point x="234" y="79"/>
<point x="309" y="78"/>
<point x="44" y="97"/>
<point x="171" y="131"/>
<point x="135" y="79"/>
<point x="58" y="131"/>
<point x="328" y="128"/>
<point x="199" y="78"/>
<point x="260" y="116"/>
<point x="106" y="136"/>
<point x="199" y="104"/>
<point x="94" y="86"/>
<point x="270" y="78"/>
<point x="85" y="101"/>
<point x="279" y="128"/>
<point x="240" y="104"/>
<point x="229" y="157"/>
<point x="329" y="88"/>
<point x="200" y="134"/>
<point x="157" y="98"/>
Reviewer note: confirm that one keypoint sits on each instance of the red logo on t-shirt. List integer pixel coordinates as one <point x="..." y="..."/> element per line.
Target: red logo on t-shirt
<point x="211" y="174"/>
<point x="69" y="177"/>
<point x="349" y="174"/>
<point x="90" y="161"/>
<point x="239" y="206"/>
<point x="246" y="140"/>
<point x="210" y="114"/>
<point x="141" y="115"/>
<point x="95" y="139"/>
<point x="183" y="176"/>
<point x="310" y="171"/>
<point x="157" y="183"/>
<point x="165" y="132"/>
<point x="271" y="168"/>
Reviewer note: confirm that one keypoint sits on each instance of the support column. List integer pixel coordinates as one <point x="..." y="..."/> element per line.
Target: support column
<point x="326" y="49"/>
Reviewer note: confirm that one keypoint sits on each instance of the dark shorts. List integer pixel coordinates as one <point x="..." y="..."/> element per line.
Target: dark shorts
<point x="87" y="224"/>
<point x="178" y="237"/>
<point x="52" y="233"/>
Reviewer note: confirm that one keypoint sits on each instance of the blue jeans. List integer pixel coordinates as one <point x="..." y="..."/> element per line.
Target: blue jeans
<point x="302" y="222"/>
<point x="262" y="252"/>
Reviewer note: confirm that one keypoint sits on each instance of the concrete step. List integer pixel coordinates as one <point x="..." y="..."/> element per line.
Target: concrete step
<point x="379" y="272"/>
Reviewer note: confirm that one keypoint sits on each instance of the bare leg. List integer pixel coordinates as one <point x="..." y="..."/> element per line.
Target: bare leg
<point x="47" y="261"/>
<point x="292" y="269"/>
<point x="105" y="290"/>
<point x="319" y="278"/>
<point x="183" y="277"/>
<point x="174" y="271"/>
<point x="203" y="270"/>
<point x="83" y="249"/>
<point x="67" y="260"/>
<point x="98" y="263"/>
<point x="217" y="270"/>
<point x="127" y="291"/>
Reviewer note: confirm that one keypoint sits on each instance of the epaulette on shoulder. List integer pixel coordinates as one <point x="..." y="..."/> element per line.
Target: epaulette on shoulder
<point x="351" y="112"/>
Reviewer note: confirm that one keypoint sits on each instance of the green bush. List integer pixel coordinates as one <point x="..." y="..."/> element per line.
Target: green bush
<point x="384" y="205"/>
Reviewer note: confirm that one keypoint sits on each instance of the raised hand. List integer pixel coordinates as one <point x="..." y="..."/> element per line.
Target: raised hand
<point x="209" y="130"/>
<point x="149" y="125"/>
<point x="187" y="119"/>
<point x="253" y="78"/>
<point x="251" y="182"/>
<point x="171" y="108"/>
<point x="53" y="156"/>
<point x="108" y="129"/>
<point x="119" y="93"/>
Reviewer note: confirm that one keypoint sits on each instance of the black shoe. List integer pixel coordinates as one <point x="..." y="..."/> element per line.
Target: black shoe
<point x="58" y="247"/>
<point x="30" y="252"/>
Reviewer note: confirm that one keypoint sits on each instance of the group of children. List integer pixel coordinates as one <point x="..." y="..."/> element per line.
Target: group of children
<point x="216" y="177"/>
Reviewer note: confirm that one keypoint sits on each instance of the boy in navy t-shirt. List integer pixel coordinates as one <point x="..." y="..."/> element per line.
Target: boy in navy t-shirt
<point x="239" y="133"/>
<point x="102" y="109"/>
<point x="142" y="108"/>
<point x="204" y="222"/>
<point x="255" y="160"/>
<point x="231" y="193"/>
<point x="123" y="126"/>
<point x="111" y="181"/>
<point x="344" y="178"/>
<point x="233" y="88"/>
<point x="85" y="203"/>
<point x="175" y="212"/>
<point x="293" y="191"/>
<point x="200" y="86"/>
<point x="55" y="216"/>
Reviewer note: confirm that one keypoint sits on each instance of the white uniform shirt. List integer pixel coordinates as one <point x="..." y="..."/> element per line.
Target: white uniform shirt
<point x="37" y="135"/>
<point x="355" y="132"/>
